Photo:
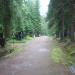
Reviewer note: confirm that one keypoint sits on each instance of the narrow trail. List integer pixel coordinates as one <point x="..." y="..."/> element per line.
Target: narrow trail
<point x="34" y="60"/>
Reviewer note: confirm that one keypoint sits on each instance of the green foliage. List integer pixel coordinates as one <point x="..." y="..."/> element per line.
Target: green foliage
<point x="70" y="53"/>
<point x="44" y="26"/>
<point x="5" y="17"/>
<point x="64" y="54"/>
<point x="61" y="22"/>
<point x="20" y="15"/>
<point x="56" y="54"/>
<point x="61" y="16"/>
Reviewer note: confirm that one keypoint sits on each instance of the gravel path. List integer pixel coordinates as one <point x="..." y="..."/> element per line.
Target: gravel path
<point x="35" y="60"/>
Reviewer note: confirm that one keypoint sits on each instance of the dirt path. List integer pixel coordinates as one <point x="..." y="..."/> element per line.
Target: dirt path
<point x="34" y="60"/>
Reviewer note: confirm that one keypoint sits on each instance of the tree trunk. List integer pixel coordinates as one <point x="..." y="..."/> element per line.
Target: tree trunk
<point x="62" y="24"/>
<point x="6" y="18"/>
<point x="72" y="32"/>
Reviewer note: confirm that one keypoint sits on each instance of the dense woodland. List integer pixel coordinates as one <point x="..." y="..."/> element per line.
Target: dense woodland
<point x="20" y="17"/>
<point x="61" y="18"/>
<point x="23" y="17"/>
<point x="61" y="23"/>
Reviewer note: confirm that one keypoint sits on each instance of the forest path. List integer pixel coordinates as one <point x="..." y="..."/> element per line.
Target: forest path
<point x="35" y="60"/>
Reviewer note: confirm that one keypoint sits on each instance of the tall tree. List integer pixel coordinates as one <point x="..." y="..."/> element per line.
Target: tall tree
<point x="61" y="14"/>
<point x="5" y="17"/>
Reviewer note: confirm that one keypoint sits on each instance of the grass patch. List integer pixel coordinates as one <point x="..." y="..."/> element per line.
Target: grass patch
<point x="20" y="41"/>
<point x="63" y="52"/>
<point x="5" y="51"/>
<point x="19" y="46"/>
<point x="70" y="54"/>
<point x="16" y="41"/>
<point x="15" y="52"/>
<point x="68" y="50"/>
<point x="56" y="54"/>
<point x="14" y="47"/>
<point x="28" y="37"/>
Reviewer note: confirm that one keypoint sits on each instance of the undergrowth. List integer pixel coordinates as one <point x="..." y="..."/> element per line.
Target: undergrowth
<point x="56" y="55"/>
<point x="63" y="52"/>
<point x="68" y="48"/>
<point x="13" y="47"/>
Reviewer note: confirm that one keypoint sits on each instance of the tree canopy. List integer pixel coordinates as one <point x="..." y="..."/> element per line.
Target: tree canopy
<point x="20" y="15"/>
